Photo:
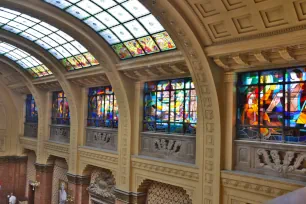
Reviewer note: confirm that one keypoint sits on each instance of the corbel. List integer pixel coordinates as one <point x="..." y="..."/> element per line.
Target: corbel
<point x="286" y="54"/>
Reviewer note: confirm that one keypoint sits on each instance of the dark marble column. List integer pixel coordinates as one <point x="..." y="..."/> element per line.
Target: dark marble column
<point x="123" y="197"/>
<point x="77" y="188"/>
<point x="13" y="173"/>
<point x="44" y="175"/>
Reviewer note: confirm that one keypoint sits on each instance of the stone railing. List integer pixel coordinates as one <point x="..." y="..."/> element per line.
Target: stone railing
<point x="102" y="138"/>
<point x="171" y="147"/>
<point x="274" y="159"/>
<point x="30" y="130"/>
<point x="60" y="133"/>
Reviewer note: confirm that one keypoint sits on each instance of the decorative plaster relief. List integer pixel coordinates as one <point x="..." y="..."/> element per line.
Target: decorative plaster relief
<point x="171" y="147"/>
<point x="159" y="193"/>
<point x="102" y="185"/>
<point x="271" y="159"/>
<point x="60" y="133"/>
<point x="102" y="138"/>
<point x="30" y="130"/>
<point x="281" y="160"/>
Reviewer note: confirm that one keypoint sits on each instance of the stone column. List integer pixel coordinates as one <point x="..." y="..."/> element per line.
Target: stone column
<point x="44" y="175"/>
<point x="229" y="113"/>
<point x="123" y="197"/>
<point x="77" y="188"/>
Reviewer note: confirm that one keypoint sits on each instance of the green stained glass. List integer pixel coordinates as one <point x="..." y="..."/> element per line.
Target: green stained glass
<point x="122" y="51"/>
<point x="25" y="60"/>
<point x="148" y="45"/>
<point x="134" y="48"/>
<point x="119" y="22"/>
<point x="164" y="41"/>
<point x="170" y="106"/>
<point x="55" y="41"/>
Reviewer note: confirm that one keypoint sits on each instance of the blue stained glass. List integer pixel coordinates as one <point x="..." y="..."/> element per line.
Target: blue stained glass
<point x="31" y="110"/>
<point x="171" y="107"/>
<point x="102" y="107"/>
<point x="60" y="109"/>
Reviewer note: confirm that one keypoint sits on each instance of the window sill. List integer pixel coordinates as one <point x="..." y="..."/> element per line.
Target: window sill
<point x="162" y="134"/>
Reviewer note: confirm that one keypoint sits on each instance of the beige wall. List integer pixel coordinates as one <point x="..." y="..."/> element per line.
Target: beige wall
<point x="213" y="44"/>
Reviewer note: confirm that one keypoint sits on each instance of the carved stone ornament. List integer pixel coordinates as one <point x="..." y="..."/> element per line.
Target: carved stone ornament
<point x="168" y="147"/>
<point x="290" y="162"/>
<point x="103" y="185"/>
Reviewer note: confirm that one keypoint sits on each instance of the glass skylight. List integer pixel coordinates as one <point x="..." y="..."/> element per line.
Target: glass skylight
<point x="35" y="67"/>
<point x="126" y="25"/>
<point x="68" y="51"/>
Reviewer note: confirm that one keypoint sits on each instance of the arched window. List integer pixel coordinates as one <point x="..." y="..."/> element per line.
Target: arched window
<point x="102" y="107"/>
<point x="170" y="106"/>
<point x="71" y="53"/>
<point x="272" y="105"/>
<point x="60" y="109"/>
<point x="31" y="110"/>
<point x="126" y="25"/>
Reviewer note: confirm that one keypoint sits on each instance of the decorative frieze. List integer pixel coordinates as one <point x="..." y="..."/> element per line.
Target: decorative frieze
<point x="102" y="138"/>
<point x="30" y="130"/>
<point x="101" y="188"/>
<point x="179" y="148"/>
<point x="276" y="159"/>
<point x="60" y="133"/>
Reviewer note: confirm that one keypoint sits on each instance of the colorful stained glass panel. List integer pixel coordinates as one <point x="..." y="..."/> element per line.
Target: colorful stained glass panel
<point x="120" y="22"/>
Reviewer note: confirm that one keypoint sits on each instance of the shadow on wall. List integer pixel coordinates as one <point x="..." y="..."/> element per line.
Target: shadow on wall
<point x="295" y="197"/>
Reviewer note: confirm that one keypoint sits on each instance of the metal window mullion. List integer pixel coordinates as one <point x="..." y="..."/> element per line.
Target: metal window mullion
<point x="169" y="106"/>
<point x="284" y="101"/>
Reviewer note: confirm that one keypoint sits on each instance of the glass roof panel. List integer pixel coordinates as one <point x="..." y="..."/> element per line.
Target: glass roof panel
<point x="57" y="42"/>
<point x="25" y="60"/>
<point x="126" y="25"/>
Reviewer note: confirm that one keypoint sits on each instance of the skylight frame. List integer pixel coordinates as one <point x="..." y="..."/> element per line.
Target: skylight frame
<point x="24" y="60"/>
<point x="43" y="34"/>
<point x="125" y="49"/>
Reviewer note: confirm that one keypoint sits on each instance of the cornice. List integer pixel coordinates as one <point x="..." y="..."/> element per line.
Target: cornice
<point x="253" y="183"/>
<point x="98" y="155"/>
<point x="78" y="180"/>
<point x="44" y="168"/>
<point x="160" y="168"/>
<point x="28" y="143"/>
<point x="170" y="57"/>
<point x="64" y="148"/>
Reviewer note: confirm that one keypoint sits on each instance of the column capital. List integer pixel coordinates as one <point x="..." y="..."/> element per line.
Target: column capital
<point x="230" y="77"/>
<point x="78" y="180"/>
<point x="45" y="168"/>
<point x="130" y="197"/>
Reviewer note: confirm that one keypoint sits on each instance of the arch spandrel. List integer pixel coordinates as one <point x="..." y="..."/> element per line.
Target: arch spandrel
<point x="73" y="93"/>
<point x="208" y="130"/>
<point x="97" y="46"/>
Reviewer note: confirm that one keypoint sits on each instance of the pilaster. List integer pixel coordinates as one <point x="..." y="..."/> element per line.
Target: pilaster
<point x="77" y="186"/>
<point x="44" y="175"/>
<point x="123" y="197"/>
<point x="229" y="107"/>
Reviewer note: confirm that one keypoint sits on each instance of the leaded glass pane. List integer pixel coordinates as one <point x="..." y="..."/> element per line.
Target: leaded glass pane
<point x="31" y="110"/>
<point x="60" y="109"/>
<point x="25" y="60"/>
<point x="102" y="108"/>
<point x="272" y="105"/>
<point x="170" y="106"/>
<point x="126" y="25"/>
<point x="45" y="35"/>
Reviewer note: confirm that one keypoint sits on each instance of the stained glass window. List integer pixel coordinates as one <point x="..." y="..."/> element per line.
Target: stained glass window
<point x="31" y="110"/>
<point x="60" y="109"/>
<point x="126" y="25"/>
<point x="272" y="105"/>
<point x="170" y="106"/>
<point x="102" y="107"/>
<point x="28" y="62"/>
<point x="67" y="50"/>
